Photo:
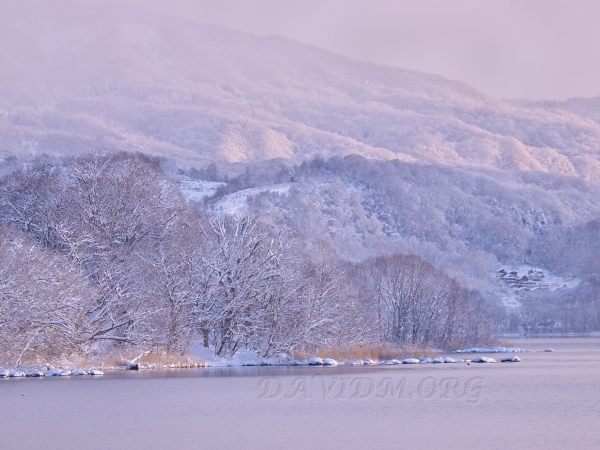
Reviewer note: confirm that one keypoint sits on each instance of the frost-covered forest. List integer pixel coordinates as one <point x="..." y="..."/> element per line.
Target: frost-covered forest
<point x="165" y="182"/>
<point x="467" y="222"/>
<point x="98" y="253"/>
<point x="102" y="253"/>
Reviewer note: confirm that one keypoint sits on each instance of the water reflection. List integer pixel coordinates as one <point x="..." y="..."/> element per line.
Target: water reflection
<point x="549" y="400"/>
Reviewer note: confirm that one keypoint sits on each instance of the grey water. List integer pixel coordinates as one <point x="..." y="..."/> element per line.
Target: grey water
<point x="549" y="400"/>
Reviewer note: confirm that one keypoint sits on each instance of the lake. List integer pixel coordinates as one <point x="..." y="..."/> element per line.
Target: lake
<point x="549" y="400"/>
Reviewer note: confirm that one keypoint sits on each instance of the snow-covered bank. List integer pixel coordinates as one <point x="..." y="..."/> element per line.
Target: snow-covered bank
<point x="332" y="362"/>
<point x="248" y="362"/>
<point x="203" y="358"/>
<point x="74" y="370"/>
<point x="249" y="358"/>
<point x="491" y="350"/>
<point x="97" y="371"/>
<point x="34" y="373"/>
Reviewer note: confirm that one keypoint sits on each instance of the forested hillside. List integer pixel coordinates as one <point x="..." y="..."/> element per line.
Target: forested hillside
<point x="164" y="182"/>
<point x="468" y="222"/>
<point x="99" y="254"/>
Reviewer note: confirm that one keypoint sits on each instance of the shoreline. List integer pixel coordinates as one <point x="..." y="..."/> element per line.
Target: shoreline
<point x="44" y="371"/>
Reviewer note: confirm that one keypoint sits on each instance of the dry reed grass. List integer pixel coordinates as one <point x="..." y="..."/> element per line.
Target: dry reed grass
<point x="504" y="343"/>
<point x="154" y="359"/>
<point x="166" y="359"/>
<point x="374" y="352"/>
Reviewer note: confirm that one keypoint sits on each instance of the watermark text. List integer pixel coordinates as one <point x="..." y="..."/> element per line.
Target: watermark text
<point x="364" y="387"/>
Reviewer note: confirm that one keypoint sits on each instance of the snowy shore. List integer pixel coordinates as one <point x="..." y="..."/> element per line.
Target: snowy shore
<point x="491" y="350"/>
<point x="230" y="362"/>
<point x="248" y="358"/>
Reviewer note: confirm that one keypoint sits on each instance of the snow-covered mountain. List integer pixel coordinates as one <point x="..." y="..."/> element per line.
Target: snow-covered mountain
<point x="199" y="94"/>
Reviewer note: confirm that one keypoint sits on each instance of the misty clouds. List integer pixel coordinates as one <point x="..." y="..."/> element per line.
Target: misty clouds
<point x="510" y="49"/>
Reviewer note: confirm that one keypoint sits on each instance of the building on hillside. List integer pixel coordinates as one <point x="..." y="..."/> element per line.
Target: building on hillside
<point x="535" y="275"/>
<point x="530" y="282"/>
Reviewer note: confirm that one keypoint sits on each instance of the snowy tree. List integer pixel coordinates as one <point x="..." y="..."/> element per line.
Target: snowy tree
<point x="44" y="303"/>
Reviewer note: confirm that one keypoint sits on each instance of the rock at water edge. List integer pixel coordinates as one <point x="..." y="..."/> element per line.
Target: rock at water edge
<point x="329" y="362"/>
<point x="410" y="361"/>
<point x="483" y="359"/>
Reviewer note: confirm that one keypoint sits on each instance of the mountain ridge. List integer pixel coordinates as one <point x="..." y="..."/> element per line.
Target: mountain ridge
<point x="200" y="94"/>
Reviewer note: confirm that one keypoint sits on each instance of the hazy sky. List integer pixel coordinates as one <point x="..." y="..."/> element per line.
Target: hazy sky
<point x="543" y="49"/>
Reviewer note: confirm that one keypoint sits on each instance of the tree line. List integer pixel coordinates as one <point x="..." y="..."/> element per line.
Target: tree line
<point x="467" y="223"/>
<point x="99" y="253"/>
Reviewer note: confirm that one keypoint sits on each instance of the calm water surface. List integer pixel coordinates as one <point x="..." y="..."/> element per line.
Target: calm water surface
<point x="550" y="400"/>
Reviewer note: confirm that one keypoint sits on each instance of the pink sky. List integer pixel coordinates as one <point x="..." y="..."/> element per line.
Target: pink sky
<point x="542" y="49"/>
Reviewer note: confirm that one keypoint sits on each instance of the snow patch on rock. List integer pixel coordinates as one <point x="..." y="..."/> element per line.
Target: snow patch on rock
<point x="410" y="361"/>
<point x="483" y="359"/>
<point x="449" y="360"/>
